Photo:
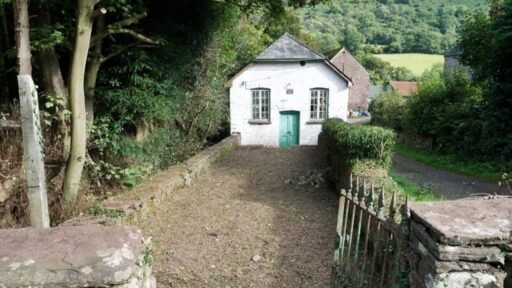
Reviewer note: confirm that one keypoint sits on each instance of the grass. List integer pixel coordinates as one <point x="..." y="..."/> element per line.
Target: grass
<point x="417" y="63"/>
<point x="416" y="192"/>
<point x="490" y="171"/>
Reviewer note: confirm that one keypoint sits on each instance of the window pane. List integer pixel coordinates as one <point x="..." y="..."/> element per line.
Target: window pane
<point x="319" y="103"/>
<point x="255" y="105"/>
<point x="261" y="104"/>
<point x="321" y="108"/>
<point x="314" y="102"/>
<point x="264" y="106"/>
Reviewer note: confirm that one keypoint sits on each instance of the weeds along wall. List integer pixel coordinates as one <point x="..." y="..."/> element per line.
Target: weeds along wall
<point x="355" y="149"/>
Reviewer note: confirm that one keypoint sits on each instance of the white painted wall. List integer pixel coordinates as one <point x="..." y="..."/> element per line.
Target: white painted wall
<point x="278" y="77"/>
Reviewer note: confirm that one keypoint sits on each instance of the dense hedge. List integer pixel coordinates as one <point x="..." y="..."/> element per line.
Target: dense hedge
<point x="346" y="146"/>
<point x="353" y="143"/>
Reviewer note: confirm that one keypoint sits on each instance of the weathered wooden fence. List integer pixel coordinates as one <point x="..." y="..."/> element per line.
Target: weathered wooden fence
<point x="371" y="244"/>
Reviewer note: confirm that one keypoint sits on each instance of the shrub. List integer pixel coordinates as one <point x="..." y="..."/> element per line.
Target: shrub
<point x="387" y="110"/>
<point x="346" y="146"/>
<point x="353" y="143"/>
<point x="447" y="107"/>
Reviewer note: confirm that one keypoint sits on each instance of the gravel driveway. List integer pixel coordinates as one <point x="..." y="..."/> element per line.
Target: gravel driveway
<point x="252" y="222"/>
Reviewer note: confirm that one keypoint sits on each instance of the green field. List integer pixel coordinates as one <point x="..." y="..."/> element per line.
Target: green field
<point x="417" y="63"/>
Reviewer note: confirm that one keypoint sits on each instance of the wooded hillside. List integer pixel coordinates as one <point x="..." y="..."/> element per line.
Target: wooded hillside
<point x="389" y="26"/>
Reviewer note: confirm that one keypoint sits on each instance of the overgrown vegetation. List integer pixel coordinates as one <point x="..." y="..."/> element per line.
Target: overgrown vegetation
<point x="466" y="114"/>
<point x="153" y="84"/>
<point x="414" y="191"/>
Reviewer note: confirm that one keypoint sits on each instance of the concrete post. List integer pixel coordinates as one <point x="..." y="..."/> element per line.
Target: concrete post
<point x="33" y="159"/>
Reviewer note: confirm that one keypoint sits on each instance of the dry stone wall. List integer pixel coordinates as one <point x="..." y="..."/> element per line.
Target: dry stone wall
<point x="461" y="243"/>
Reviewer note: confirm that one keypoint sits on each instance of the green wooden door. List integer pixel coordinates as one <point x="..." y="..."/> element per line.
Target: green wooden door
<point x="288" y="129"/>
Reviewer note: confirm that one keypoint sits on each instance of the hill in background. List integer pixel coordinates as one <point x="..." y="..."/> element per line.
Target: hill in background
<point x="386" y="26"/>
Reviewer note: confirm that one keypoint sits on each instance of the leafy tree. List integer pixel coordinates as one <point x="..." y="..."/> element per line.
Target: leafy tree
<point x="485" y="43"/>
<point x="387" y="110"/>
<point x="353" y="40"/>
<point x="396" y="26"/>
<point x="381" y="72"/>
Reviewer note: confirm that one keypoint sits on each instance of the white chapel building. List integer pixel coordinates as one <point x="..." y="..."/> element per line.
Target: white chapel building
<point x="282" y="97"/>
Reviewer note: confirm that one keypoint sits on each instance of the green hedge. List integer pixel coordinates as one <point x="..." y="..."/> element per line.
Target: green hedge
<point x="353" y="143"/>
<point x="346" y="146"/>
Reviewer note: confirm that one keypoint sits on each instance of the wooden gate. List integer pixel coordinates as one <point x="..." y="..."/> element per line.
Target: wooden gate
<point x="371" y="244"/>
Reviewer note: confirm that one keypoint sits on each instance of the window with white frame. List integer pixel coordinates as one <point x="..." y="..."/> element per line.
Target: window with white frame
<point x="261" y="104"/>
<point x="319" y="98"/>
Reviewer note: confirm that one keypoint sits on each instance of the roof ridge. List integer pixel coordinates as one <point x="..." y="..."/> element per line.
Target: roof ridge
<point x="287" y="47"/>
<point x="303" y="44"/>
<point x="343" y="48"/>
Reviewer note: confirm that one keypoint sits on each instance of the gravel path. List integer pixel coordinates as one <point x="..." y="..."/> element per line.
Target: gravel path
<point x="250" y="223"/>
<point x="449" y="185"/>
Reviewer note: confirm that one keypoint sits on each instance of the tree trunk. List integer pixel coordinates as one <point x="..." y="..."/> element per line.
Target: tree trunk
<point x="90" y="84"/>
<point x="53" y="82"/>
<point x="91" y="75"/>
<point x="4" y="45"/>
<point x="32" y="151"/>
<point x="142" y="130"/>
<point x="75" y="165"/>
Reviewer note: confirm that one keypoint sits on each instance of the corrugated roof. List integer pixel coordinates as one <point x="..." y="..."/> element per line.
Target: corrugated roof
<point x="405" y="88"/>
<point x="287" y="48"/>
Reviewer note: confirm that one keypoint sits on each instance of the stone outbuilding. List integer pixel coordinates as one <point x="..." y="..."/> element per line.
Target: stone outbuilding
<point x="282" y="97"/>
<point x="452" y="59"/>
<point x="359" y="93"/>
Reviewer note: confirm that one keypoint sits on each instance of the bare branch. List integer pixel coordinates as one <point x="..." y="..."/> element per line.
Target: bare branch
<point x="242" y="7"/>
<point x="129" y="21"/>
<point x="121" y="50"/>
<point x="112" y="28"/>
<point x="117" y="52"/>
<point x="137" y="36"/>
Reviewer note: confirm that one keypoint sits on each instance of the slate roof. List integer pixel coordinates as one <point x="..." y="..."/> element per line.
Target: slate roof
<point x="287" y="48"/>
<point x="404" y="88"/>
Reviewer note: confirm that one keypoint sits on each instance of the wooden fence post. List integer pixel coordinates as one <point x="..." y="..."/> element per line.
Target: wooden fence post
<point x="33" y="160"/>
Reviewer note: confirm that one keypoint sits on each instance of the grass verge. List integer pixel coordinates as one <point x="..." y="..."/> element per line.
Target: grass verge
<point x="416" y="192"/>
<point x="490" y="171"/>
